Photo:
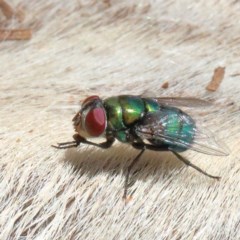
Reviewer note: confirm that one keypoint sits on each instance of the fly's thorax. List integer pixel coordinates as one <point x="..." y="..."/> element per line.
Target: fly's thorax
<point x="114" y="113"/>
<point x="91" y="120"/>
<point x="124" y="111"/>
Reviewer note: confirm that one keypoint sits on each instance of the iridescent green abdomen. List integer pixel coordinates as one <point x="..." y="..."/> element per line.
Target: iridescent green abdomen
<point x="124" y="111"/>
<point x="171" y="124"/>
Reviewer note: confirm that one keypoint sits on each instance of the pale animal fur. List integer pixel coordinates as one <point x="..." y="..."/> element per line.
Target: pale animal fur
<point x="79" y="48"/>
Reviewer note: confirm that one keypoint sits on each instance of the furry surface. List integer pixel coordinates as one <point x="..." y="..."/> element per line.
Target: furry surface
<point x="108" y="48"/>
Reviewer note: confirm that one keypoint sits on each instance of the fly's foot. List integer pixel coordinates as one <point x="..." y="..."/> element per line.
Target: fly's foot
<point x="188" y="163"/>
<point x="71" y="144"/>
<point x="65" y="145"/>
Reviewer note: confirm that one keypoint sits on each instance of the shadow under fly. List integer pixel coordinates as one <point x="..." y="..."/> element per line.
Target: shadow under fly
<point x="119" y="160"/>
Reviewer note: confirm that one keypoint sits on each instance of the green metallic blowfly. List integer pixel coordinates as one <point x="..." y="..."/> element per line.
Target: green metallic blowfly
<point x="145" y="123"/>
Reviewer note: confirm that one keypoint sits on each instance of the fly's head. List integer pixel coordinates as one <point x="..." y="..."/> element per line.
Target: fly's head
<point x="91" y="120"/>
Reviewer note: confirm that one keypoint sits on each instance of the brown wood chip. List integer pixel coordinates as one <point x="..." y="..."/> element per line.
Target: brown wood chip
<point x="216" y="79"/>
<point x="165" y="85"/>
<point x="6" y="9"/>
<point x="15" y="34"/>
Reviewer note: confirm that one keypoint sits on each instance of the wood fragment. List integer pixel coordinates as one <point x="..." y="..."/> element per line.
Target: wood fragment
<point x="107" y="2"/>
<point x="15" y="34"/>
<point x="216" y="79"/>
<point x="165" y="85"/>
<point x="6" y="9"/>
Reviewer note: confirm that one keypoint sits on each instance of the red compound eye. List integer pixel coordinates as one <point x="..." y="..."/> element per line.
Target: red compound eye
<point x="95" y="122"/>
<point x="91" y="98"/>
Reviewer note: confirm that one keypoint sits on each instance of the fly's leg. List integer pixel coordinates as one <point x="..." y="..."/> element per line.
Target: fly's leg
<point x="135" y="160"/>
<point x="142" y="146"/>
<point x="79" y="139"/>
<point x="188" y="163"/>
<point x="181" y="158"/>
<point x="107" y="144"/>
<point x="65" y="145"/>
<point x="71" y="144"/>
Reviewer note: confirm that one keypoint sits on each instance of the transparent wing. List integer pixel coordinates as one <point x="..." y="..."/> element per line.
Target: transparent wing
<point x="204" y="141"/>
<point x="182" y="102"/>
<point x="177" y="101"/>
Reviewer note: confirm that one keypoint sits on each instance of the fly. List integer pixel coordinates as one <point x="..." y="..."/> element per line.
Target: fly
<point x="156" y="124"/>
